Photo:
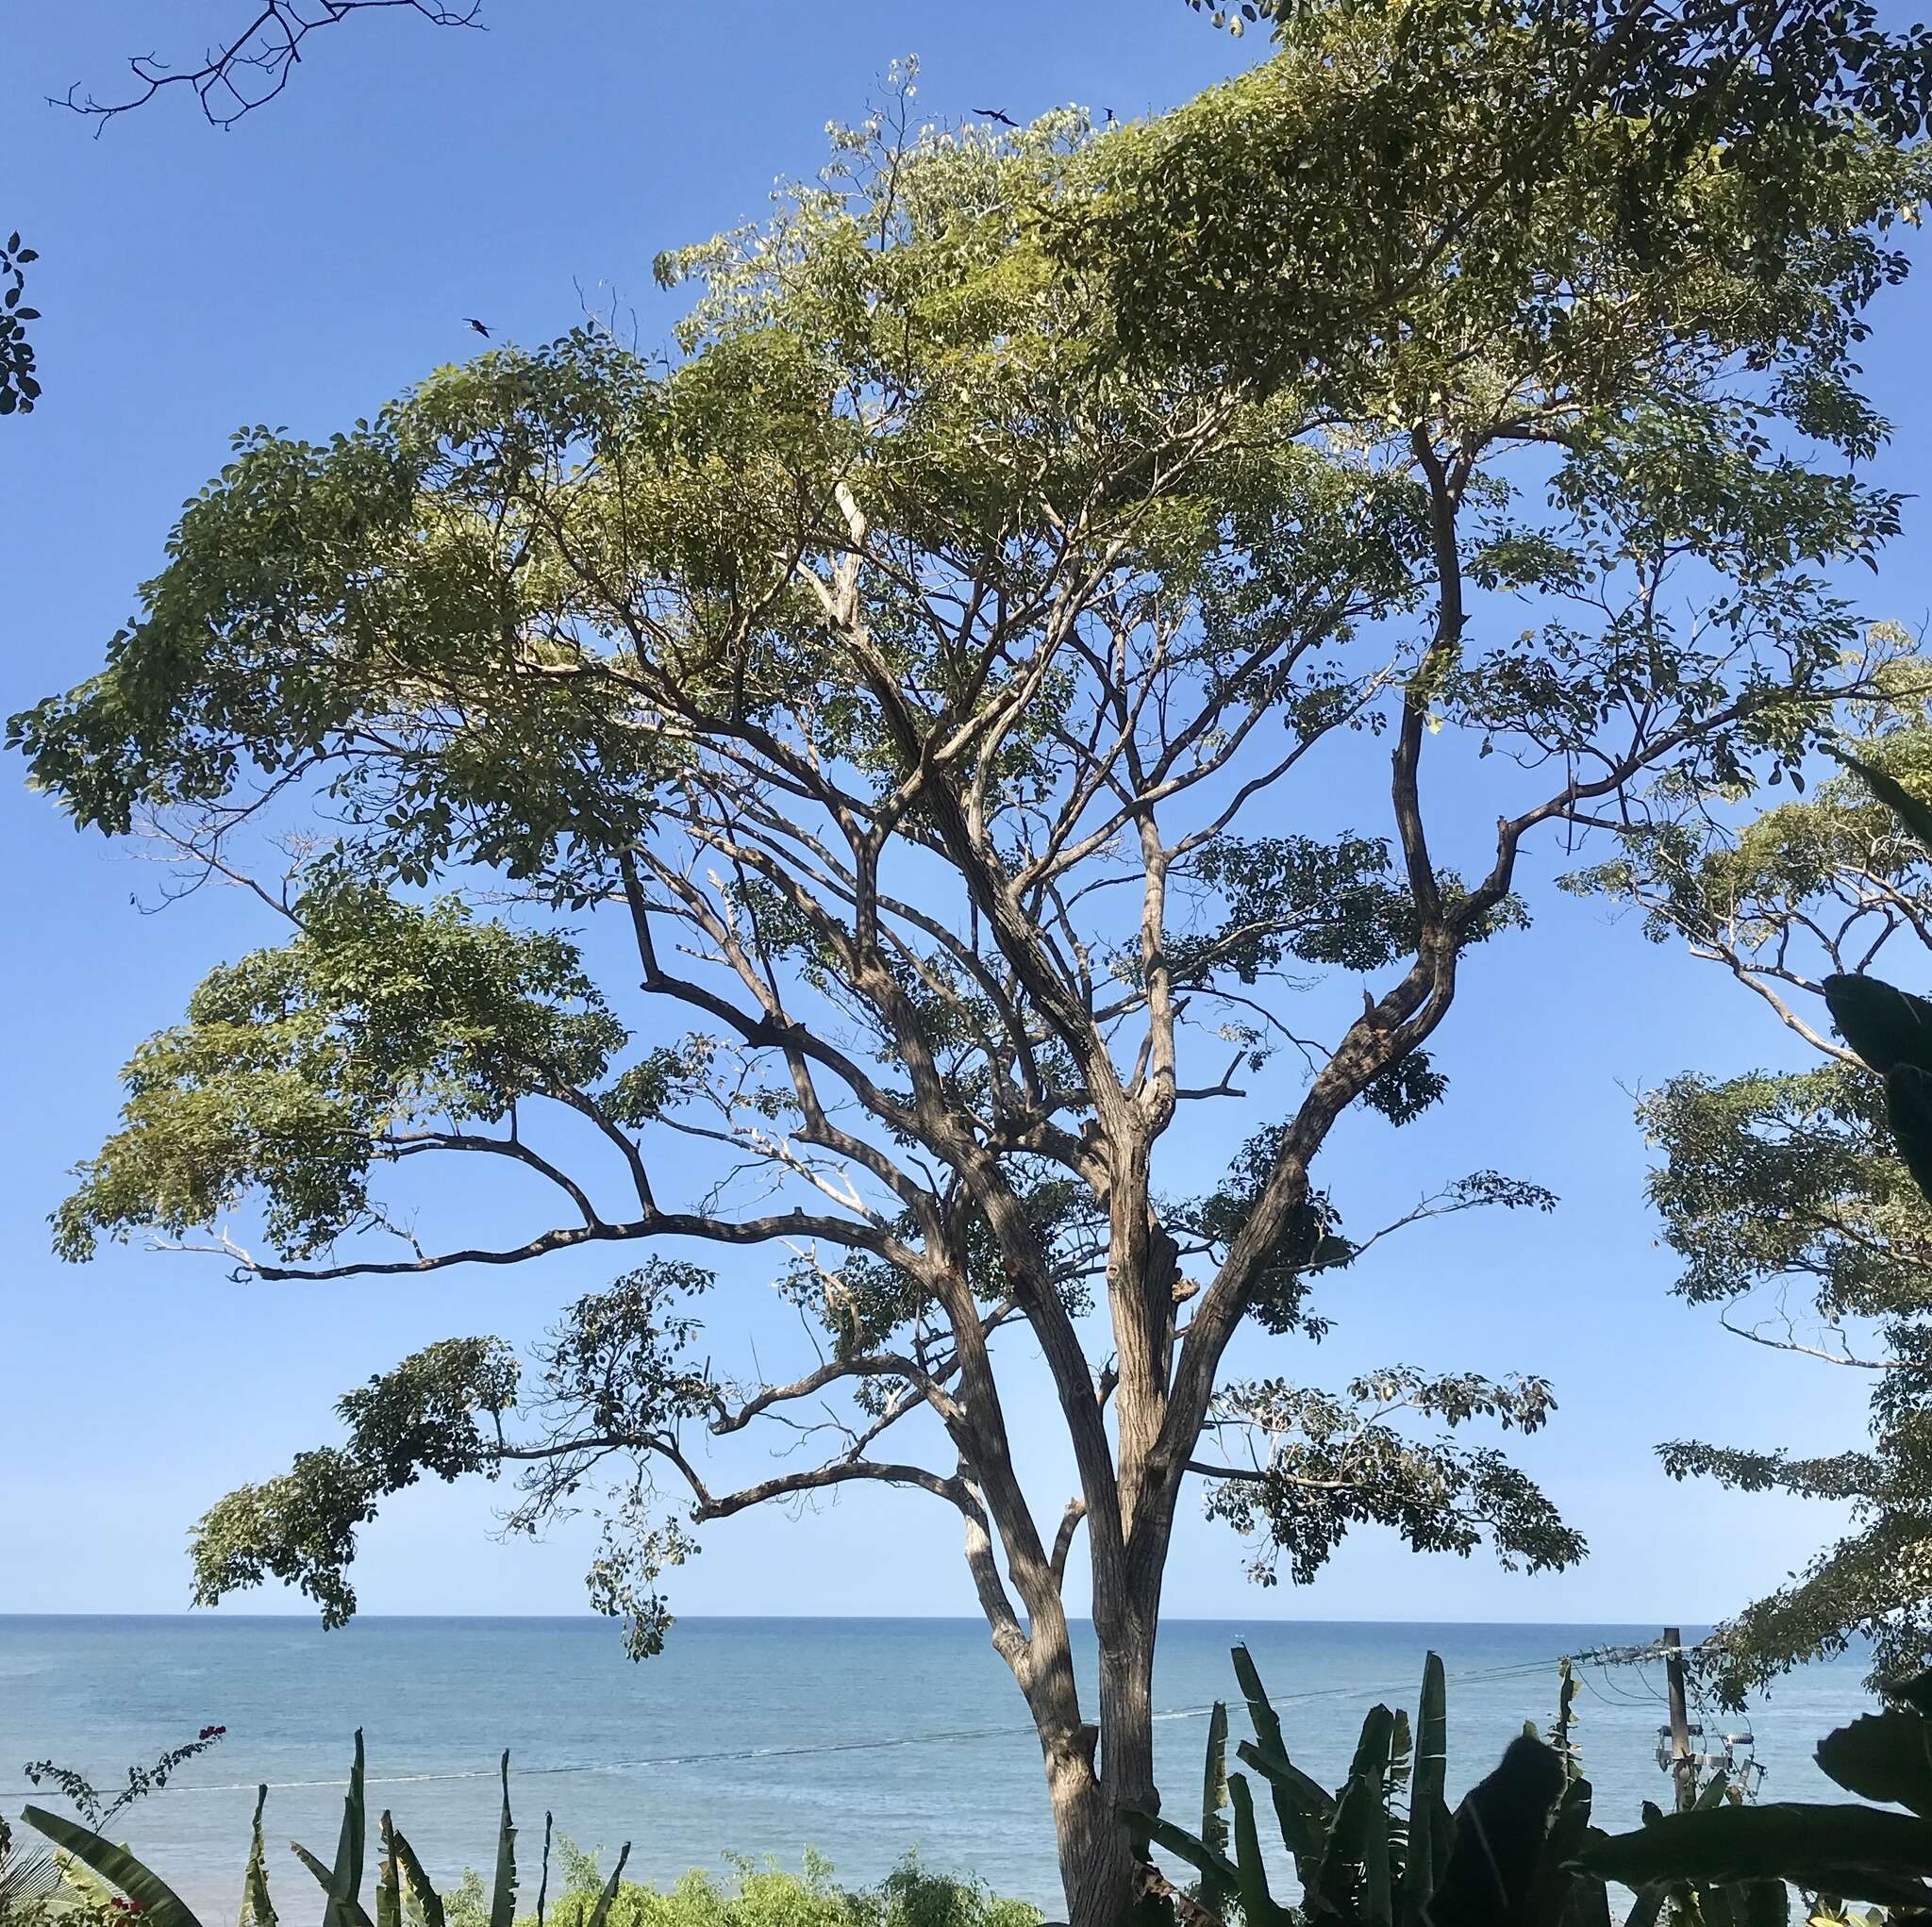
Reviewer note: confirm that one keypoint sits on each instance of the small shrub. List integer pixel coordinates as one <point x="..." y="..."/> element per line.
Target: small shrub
<point x="757" y="1893"/>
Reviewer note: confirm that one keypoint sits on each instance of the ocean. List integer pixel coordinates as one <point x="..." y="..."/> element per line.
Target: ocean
<point x="762" y="1737"/>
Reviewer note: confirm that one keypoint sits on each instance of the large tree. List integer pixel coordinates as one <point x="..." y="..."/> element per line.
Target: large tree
<point x="948" y="707"/>
<point x="1782" y="1189"/>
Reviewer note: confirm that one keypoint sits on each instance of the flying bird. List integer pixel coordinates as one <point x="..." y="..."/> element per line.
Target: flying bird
<point x="477" y="325"/>
<point x="1110" y="118"/>
<point x="994" y="114"/>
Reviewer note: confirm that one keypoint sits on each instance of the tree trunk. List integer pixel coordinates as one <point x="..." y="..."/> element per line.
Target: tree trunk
<point x="1097" y="1853"/>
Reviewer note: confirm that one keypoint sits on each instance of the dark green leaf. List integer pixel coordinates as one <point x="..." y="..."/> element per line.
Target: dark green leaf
<point x="1883" y="1756"/>
<point x="158" y="1902"/>
<point x="1885" y="1026"/>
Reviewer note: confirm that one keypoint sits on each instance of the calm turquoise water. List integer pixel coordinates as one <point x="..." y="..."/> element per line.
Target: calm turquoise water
<point x="860" y="1738"/>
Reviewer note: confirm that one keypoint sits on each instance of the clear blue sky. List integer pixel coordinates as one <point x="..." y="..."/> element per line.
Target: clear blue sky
<point x="301" y="270"/>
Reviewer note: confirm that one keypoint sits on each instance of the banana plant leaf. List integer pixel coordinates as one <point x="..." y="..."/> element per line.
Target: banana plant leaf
<point x="1648" y="1908"/>
<point x="1887" y="1026"/>
<point x="345" y="1882"/>
<point x="1857" y="1851"/>
<point x="1429" y="1812"/>
<point x="1204" y="1859"/>
<point x="1302" y="1806"/>
<point x="257" y="1908"/>
<point x="421" y="1889"/>
<point x="601" y="1911"/>
<point x="1214" y="1799"/>
<point x="1916" y="816"/>
<point x="1259" y="1909"/>
<point x="1908" y="1110"/>
<point x="389" y="1886"/>
<point x="158" y="1902"/>
<point x="1883" y="1756"/>
<point x="1550" y="1886"/>
<point x="1761" y="1903"/>
<point x="352" y="1914"/>
<point x="543" y="1877"/>
<point x="502" y="1896"/>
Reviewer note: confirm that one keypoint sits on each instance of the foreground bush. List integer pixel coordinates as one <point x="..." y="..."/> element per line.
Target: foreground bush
<point x="95" y="1883"/>
<point x="757" y="1894"/>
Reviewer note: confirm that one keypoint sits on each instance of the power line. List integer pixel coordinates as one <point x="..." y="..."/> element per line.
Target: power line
<point x="948" y="1736"/>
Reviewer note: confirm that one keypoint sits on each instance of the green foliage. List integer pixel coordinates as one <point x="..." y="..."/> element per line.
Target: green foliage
<point x="1335" y="1462"/>
<point x="19" y="390"/>
<point x="758" y="1896"/>
<point x="155" y="1898"/>
<point x="1023" y="515"/>
<point x="1795" y="1181"/>
<point x="299" y="1067"/>
<point x="424" y="1416"/>
<point x="763" y="1896"/>
<point x="1384" y="1851"/>
<point x="1888" y="1028"/>
<point x="258" y="1909"/>
<point x="1835" y="1851"/>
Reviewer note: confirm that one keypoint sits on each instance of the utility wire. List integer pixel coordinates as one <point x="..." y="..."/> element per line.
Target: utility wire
<point x="1514" y="1669"/>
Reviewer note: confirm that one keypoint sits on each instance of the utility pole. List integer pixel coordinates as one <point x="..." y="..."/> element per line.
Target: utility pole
<point x="1683" y="1767"/>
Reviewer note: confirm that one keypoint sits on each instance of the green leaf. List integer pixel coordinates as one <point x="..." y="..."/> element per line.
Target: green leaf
<point x="420" y="1886"/>
<point x="325" y="1878"/>
<point x="1214" y="1779"/>
<point x="389" y="1889"/>
<point x="257" y="1909"/>
<point x="1183" y="1845"/>
<point x="1883" y="1756"/>
<point x="1908" y="1108"/>
<point x="1761" y="1903"/>
<point x="1916" y="815"/>
<point x="158" y="1901"/>
<point x="1885" y="1026"/>
<point x="345" y="1883"/>
<point x="602" y="1909"/>
<point x="1214" y="1797"/>
<point x="1251" y="1876"/>
<point x="1427" y="1793"/>
<point x="1857" y="1851"/>
<point x="1648" y="1908"/>
<point x="1302" y="1806"/>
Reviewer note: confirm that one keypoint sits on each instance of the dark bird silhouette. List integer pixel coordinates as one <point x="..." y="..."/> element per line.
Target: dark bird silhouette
<point x="994" y="114"/>
<point x="1110" y="118"/>
<point x="477" y="325"/>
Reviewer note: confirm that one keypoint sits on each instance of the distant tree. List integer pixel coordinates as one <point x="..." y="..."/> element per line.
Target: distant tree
<point x="949" y="710"/>
<point x="1783" y="1191"/>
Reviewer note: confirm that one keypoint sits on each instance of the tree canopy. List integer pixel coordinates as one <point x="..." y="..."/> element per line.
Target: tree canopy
<point x="942" y="671"/>
<point x="1782" y="1191"/>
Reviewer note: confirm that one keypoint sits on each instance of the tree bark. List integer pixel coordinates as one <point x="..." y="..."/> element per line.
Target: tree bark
<point x="1096" y="1852"/>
